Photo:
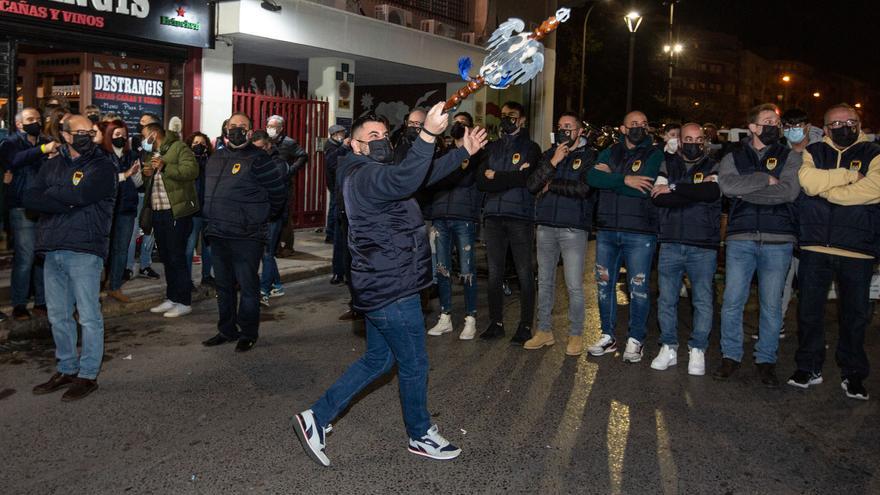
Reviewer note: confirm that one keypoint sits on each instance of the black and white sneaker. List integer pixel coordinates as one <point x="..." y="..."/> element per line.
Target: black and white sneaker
<point x="805" y="379"/>
<point x="433" y="445"/>
<point x="854" y="388"/>
<point x="312" y="436"/>
<point x="605" y="345"/>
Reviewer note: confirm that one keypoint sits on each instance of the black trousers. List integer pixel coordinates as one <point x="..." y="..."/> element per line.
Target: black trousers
<point x="853" y="276"/>
<point x="171" y="235"/>
<point x="237" y="261"/>
<point x="499" y="234"/>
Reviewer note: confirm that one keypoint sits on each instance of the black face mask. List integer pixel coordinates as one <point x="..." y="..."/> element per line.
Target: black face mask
<point x="508" y="125"/>
<point x="412" y="133"/>
<point x="563" y="136"/>
<point x="119" y="142"/>
<point x="636" y="135"/>
<point x="237" y="136"/>
<point x="769" y="134"/>
<point x="32" y="129"/>
<point x="381" y="151"/>
<point x="200" y="149"/>
<point x="94" y="117"/>
<point x="845" y="136"/>
<point x="83" y="144"/>
<point x="457" y="130"/>
<point x="692" y="151"/>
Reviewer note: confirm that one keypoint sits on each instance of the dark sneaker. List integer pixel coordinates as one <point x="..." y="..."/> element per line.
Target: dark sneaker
<point x="20" y="313"/>
<point x="127" y="275"/>
<point x="854" y="389"/>
<point x="493" y="331"/>
<point x="726" y="370"/>
<point x="56" y="382"/>
<point x="148" y="272"/>
<point x="218" y="339"/>
<point x="351" y="315"/>
<point x="767" y="374"/>
<point x="245" y="345"/>
<point x="434" y="446"/>
<point x="336" y="280"/>
<point x="804" y="379"/>
<point x="81" y="387"/>
<point x="40" y="311"/>
<point x="523" y="334"/>
<point x="312" y="436"/>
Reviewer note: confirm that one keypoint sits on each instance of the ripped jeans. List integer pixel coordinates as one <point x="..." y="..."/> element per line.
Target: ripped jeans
<point x="637" y="251"/>
<point x="463" y="233"/>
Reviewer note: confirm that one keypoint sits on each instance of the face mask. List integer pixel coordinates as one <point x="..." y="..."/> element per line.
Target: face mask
<point x="508" y="125"/>
<point x="563" y="136"/>
<point x="32" y="129"/>
<point x="380" y="151"/>
<point x="412" y="133"/>
<point x="119" y="142"/>
<point x="457" y="131"/>
<point x="794" y="135"/>
<point x="147" y="145"/>
<point x="83" y="144"/>
<point x="636" y="134"/>
<point x="845" y="136"/>
<point x="237" y="137"/>
<point x="692" y="151"/>
<point x="199" y="149"/>
<point x="94" y="117"/>
<point x="272" y="132"/>
<point x="671" y="145"/>
<point x="769" y="134"/>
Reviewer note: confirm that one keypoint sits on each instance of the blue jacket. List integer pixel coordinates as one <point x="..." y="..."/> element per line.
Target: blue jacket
<point x="390" y="256"/>
<point x="568" y="201"/>
<point x="507" y="194"/>
<point x="823" y="223"/>
<point x="127" y="195"/>
<point x="244" y="188"/>
<point x="24" y="160"/>
<point x="456" y="197"/>
<point x="746" y="217"/>
<point x="75" y="199"/>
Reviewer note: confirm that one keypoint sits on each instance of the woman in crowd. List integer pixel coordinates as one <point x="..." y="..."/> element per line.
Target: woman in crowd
<point x="201" y="146"/>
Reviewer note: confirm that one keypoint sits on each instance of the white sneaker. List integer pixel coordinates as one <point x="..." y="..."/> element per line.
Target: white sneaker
<point x="164" y="307"/>
<point x="668" y="356"/>
<point x="634" y="351"/>
<point x="697" y="362"/>
<point x="470" y="328"/>
<point x="312" y="437"/>
<point x="442" y="326"/>
<point x="178" y="310"/>
<point x="605" y="345"/>
<point x="433" y="445"/>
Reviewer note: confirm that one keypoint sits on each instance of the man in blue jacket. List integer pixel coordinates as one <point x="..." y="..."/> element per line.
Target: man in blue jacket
<point x="74" y="193"/>
<point x="391" y="263"/>
<point x="23" y="154"/>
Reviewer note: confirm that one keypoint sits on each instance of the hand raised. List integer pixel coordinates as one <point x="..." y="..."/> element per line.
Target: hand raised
<point x="474" y="139"/>
<point x="436" y="121"/>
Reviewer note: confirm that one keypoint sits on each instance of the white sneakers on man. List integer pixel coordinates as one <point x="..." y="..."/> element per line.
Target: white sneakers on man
<point x="442" y="326"/>
<point x="470" y="328"/>
<point x="178" y="310"/>
<point x="697" y="362"/>
<point x="634" y="351"/>
<point x="166" y="306"/>
<point x="668" y="356"/>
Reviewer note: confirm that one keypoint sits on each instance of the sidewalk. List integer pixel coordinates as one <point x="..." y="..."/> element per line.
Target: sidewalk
<point x="312" y="258"/>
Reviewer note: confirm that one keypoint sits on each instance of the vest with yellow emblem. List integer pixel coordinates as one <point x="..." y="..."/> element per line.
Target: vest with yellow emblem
<point x="699" y="223"/>
<point x="746" y="217"/>
<point x="618" y="212"/>
<point x="822" y="223"/>
<point x="508" y="154"/>
<point x="236" y="205"/>
<point x="456" y="196"/>
<point x="564" y="211"/>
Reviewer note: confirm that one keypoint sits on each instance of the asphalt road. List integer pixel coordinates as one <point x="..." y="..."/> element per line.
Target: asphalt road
<point x="174" y="417"/>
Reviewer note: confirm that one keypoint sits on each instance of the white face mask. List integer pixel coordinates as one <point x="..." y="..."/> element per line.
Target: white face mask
<point x="272" y="132"/>
<point x="671" y="146"/>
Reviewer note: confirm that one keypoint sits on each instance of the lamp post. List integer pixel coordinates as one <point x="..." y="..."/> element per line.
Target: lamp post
<point x="672" y="51"/>
<point x="584" y="60"/>
<point x="633" y="20"/>
<point x="786" y="81"/>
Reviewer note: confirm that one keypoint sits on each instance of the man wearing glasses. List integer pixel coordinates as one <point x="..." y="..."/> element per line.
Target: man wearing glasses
<point x="627" y="223"/>
<point x="839" y="223"/>
<point x="760" y="178"/>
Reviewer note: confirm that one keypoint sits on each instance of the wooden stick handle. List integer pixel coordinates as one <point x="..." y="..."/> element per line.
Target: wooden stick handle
<point x="464" y="92"/>
<point x="546" y="27"/>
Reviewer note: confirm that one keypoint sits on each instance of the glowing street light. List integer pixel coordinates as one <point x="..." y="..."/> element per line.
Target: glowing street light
<point x="817" y="94"/>
<point x="858" y="105"/>
<point x="633" y="20"/>
<point x="786" y="78"/>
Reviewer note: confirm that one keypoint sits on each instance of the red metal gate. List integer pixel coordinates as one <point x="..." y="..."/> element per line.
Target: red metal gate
<point x="305" y="121"/>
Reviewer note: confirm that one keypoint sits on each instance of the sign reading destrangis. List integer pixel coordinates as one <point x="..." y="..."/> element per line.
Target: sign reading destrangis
<point x="186" y="22"/>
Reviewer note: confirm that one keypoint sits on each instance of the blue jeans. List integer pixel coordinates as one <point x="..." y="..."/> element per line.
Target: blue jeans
<point x="330" y="229"/>
<point x="395" y="333"/>
<point x="571" y="244"/>
<point x="270" y="275"/>
<point x="73" y="281"/>
<point x="699" y="264"/>
<point x="237" y="262"/>
<point x="24" y="270"/>
<point x="637" y="251"/>
<point x="147" y="242"/>
<point x="120" y="239"/>
<point x="198" y="232"/>
<point x="771" y="261"/>
<point x="463" y="234"/>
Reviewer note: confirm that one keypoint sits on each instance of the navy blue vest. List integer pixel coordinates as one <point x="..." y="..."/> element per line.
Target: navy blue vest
<point x="626" y="213"/>
<point x="556" y="210"/>
<point x="236" y="205"/>
<point x="507" y="155"/>
<point x="460" y="200"/>
<point x="697" y="224"/>
<point x="822" y="223"/>
<point x="390" y="256"/>
<point x="745" y="217"/>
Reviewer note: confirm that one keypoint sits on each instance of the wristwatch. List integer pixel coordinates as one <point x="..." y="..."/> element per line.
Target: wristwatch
<point x="672" y="187"/>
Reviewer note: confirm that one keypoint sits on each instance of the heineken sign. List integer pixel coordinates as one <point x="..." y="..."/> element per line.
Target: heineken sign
<point x="178" y="22"/>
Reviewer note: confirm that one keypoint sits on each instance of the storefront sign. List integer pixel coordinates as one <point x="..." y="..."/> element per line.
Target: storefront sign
<point x="129" y="97"/>
<point x="179" y="22"/>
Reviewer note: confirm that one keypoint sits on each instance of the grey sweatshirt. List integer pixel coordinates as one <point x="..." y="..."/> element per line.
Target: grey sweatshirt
<point x="755" y="188"/>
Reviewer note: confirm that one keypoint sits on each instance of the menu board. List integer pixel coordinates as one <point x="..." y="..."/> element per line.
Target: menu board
<point x="128" y="97"/>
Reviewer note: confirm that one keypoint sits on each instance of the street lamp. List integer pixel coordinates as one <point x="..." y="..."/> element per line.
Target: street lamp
<point x="817" y="94"/>
<point x="633" y="20"/>
<point x="584" y="60"/>
<point x="786" y="78"/>
<point x="672" y="51"/>
<point x="858" y="105"/>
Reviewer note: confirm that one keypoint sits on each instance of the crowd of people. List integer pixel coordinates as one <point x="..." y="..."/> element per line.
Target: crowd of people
<point x="799" y="201"/>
